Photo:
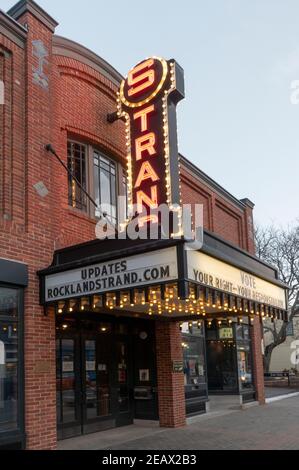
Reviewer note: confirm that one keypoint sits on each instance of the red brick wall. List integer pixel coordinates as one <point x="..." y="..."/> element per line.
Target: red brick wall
<point x="12" y="137"/>
<point x="171" y="390"/>
<point x="36" y="248"/>
<point x="31" y="227"/>
<point x="82" y="99"/>
<point x="220" y="215"/>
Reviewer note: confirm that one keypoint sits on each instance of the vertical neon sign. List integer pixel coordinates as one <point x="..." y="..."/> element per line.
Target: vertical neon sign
<point x="147" y="100"/>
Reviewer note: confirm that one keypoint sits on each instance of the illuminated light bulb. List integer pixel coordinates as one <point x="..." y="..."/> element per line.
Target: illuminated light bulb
<point x="60" y="310"/>
<point x="70" y="309"/>
<point x="82" y="307"/>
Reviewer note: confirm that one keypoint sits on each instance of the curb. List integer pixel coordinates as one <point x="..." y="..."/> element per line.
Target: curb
<point x="281" y="397"/>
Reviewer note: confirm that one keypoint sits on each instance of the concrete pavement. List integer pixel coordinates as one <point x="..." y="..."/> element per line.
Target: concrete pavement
<point x="272" y="426"/>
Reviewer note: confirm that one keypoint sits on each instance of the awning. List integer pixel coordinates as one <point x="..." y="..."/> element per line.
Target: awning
<point x="163" y="278"/>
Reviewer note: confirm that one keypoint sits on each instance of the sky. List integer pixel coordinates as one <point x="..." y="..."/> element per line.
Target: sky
<point x="240" y="57"/>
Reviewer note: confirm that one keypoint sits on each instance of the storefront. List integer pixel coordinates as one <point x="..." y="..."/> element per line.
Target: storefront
<point x="106" y="313"/>
<point x="106" y="374"/>
<point x="97" y="333"/>
<point x="13" y="280"/>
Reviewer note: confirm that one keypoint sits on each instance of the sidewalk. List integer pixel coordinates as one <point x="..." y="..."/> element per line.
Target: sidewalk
<point x="273" y="426"/>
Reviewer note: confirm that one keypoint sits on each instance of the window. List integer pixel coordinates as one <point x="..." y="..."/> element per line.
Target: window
<point x="290" y="329"/>
<point x="77" y="166"/>
<point x="105" y="186"/>
<point x="244" y="367"/>
<point x="194" y="365"/>
<point x="9" y="395"/>
<point x="101" y="177"/>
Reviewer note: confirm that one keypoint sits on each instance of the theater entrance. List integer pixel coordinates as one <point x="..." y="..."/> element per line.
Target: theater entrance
<point x="98" y="382"/>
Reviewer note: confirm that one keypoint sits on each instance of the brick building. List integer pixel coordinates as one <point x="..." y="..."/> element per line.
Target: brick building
<point x="58" y="377"/>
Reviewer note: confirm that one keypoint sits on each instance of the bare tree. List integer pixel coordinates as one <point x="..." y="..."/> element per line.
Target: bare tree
<point x="280" y="247"/>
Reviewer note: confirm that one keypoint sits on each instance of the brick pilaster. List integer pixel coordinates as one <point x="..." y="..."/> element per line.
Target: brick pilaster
<point x="258" y="368"/>
<point x="171" y="390"/>
<point x="40" y="383"/>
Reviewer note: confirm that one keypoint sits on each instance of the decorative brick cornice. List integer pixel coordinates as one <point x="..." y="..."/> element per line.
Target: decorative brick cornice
<point x="67" y="48"/>
<point x="201" y="176"/>
<point x="24" y="6"/>
<point x="12" y="30"/>
<point x="248" y="203"/>
<point x="82" y="75"/>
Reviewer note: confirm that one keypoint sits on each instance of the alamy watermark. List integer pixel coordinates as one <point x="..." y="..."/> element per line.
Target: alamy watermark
<point x="295" y="353"/>
<point x="167" y="222"/>
<point x="294" y="96"/>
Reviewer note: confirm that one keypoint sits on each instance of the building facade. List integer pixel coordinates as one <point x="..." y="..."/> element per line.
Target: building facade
<point x="83" y="363"/>
<point x="285" y="356"/>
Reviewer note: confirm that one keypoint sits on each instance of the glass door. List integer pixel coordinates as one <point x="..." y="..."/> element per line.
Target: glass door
<point x="93" y="381"/>
<point x="123" y="404"/>
<point x="96" y="388"/>
<point x="67" y="388"/>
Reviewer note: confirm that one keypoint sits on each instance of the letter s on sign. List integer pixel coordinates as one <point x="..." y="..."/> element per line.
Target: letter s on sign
<point x="145" y="79"/>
